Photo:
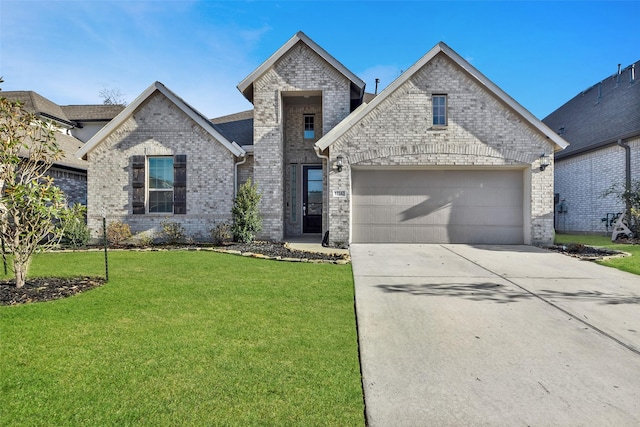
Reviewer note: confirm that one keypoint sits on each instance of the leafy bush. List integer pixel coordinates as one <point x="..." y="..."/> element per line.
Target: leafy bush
<point x="173" y="231"/>
<point x="118" y="232"/>
<point x="76" y="233"/>
<point x="221" y="233"/>
<point x="632" y="197"/>
<point x="246" y="217"/>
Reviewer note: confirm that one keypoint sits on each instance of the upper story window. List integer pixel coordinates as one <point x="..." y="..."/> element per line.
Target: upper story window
<point x="309" y="126"/>
<point x="160" y="184"/>
<point x="439" y="103"/>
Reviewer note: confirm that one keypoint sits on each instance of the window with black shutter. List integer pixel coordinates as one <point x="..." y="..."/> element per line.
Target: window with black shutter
<point x="164" y="188"/>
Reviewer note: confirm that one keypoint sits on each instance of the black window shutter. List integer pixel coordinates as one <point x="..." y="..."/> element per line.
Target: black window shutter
<point x="138" y="184"/>
<point x="180" y="184"/>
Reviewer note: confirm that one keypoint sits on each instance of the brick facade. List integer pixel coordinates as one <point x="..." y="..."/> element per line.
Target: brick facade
<point x="299" y="70"/>
<point x="159" y="128"/>
<point x="481" y="132"/>
<point x="73" y="184"/>
<point x="582" y="180"/>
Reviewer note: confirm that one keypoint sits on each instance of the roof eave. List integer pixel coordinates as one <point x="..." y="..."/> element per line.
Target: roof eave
<point x="246" y="85"/>
<point x="131" y="108"/>
<point x="357" y="114"/>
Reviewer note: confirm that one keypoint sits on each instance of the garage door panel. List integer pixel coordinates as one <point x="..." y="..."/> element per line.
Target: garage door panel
<point x="437" y="206"/>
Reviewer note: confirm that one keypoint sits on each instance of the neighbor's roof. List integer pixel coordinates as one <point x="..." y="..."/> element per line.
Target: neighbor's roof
<point x="601" y="114"/>
<point x="353" y="118"/>
<point x="236" y="127"/>
<point x="91" y="113"/>
<point x="246" y="85"/>
<point x="38" y="104"/>
<point x="194" y="114"/>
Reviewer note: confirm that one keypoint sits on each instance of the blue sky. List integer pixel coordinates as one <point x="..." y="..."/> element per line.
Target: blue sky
<point x="541" y="53"/>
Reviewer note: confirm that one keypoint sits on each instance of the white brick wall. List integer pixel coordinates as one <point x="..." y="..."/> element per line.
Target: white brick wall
<point x="581" y="181"/>
<point x="158" y="127"/>
<point x="481" y="132"/>
<point x="301" y="69"/>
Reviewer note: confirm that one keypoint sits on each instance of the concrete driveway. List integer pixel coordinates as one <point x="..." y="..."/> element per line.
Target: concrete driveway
<point x="495" y="335"/>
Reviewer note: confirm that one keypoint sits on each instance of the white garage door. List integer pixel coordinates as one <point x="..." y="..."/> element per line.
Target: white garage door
<point x="437" y="206"/>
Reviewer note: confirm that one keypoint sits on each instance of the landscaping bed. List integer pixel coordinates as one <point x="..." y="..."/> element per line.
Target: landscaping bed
<point x="40" y="289"/>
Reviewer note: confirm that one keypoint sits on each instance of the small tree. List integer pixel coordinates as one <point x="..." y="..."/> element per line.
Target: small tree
<point x="247" y="221"/>
<point x="32" y="209"/>
<point x="631" y="199"/>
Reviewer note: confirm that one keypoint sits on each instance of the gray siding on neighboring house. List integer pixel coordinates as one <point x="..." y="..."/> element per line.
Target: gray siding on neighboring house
<point x="300" y="69"/>
<point x="159" y="128"/>
<point x="482" y="132"/>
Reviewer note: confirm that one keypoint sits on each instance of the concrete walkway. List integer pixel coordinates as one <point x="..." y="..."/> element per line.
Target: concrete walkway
<point x="495" y="335"/>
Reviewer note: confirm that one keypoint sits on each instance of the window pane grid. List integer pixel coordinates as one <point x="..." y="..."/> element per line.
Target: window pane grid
<point x="309" y="127"/>
<point x="160" y="185"/>
<point x="439" y="103"/>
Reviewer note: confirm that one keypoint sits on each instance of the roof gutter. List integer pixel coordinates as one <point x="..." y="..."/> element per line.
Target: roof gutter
<point x="564" y="155"/>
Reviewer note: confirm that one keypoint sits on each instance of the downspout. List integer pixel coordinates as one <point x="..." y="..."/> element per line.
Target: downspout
<point x="235" y="175"/>
<point x="325" y="238"/>
<point x="627" y="184"/>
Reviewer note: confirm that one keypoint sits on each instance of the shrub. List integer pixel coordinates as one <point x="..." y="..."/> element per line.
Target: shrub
<point x="172" y="231"/>
<point x="118" y="232"/>
<point x="76" y="233"/>
<point x="246" y="217"/>
<point x="221" y="233"/>
<point x="146" y="239"/>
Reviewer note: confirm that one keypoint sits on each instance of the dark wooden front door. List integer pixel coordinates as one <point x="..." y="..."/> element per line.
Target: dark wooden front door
<point x="312" y="199"/>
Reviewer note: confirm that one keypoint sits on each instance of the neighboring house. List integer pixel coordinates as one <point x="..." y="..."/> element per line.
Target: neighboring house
<point x="602" y="123"/>
<point x="69" y="172"/>
<point x="441" y="155"/>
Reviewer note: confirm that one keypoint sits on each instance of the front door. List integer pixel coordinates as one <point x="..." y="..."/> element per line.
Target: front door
<point x="312" y="199"/>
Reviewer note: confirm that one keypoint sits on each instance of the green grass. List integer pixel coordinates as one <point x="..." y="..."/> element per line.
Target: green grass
<point x="184" y="338"/>
<point x="630" y="264"/>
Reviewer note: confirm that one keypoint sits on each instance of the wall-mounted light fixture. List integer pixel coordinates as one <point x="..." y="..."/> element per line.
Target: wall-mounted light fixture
<point x="339" y="163"/>
<point x="544" y="161"/>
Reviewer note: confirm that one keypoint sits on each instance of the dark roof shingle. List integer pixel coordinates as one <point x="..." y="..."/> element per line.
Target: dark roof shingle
<point x="599" y="115"/>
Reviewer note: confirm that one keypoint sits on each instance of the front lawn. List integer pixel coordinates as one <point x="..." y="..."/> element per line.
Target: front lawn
<point x="630" y="264"/>
<point x="184" y="338"/>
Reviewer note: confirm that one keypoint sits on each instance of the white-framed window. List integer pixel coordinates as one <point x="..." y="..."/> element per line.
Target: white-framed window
<point x="160" y="184"/>
<point x="439" y="106"/>
<point x="309" y="126"/>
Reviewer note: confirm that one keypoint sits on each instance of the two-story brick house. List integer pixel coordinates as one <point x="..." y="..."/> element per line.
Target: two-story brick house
<point x="441" y="155"/>
<point x="602" y="123"/>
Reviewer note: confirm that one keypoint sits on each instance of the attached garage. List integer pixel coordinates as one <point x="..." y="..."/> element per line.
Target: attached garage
<point x="438" y="206"/>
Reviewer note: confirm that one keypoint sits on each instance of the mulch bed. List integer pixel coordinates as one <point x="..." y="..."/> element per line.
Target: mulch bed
<point x="585" y="252"/>
<point x="40" y="289"/>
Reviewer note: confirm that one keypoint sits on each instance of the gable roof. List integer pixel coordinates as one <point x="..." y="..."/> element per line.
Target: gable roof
<point x="91" y="113"/>
<point x="124" y="115"/>
<point x="38" y="104"/>
<point x="476" y="75"/>
<point x="601" y="114"/>
<point x="246" y="85"/>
